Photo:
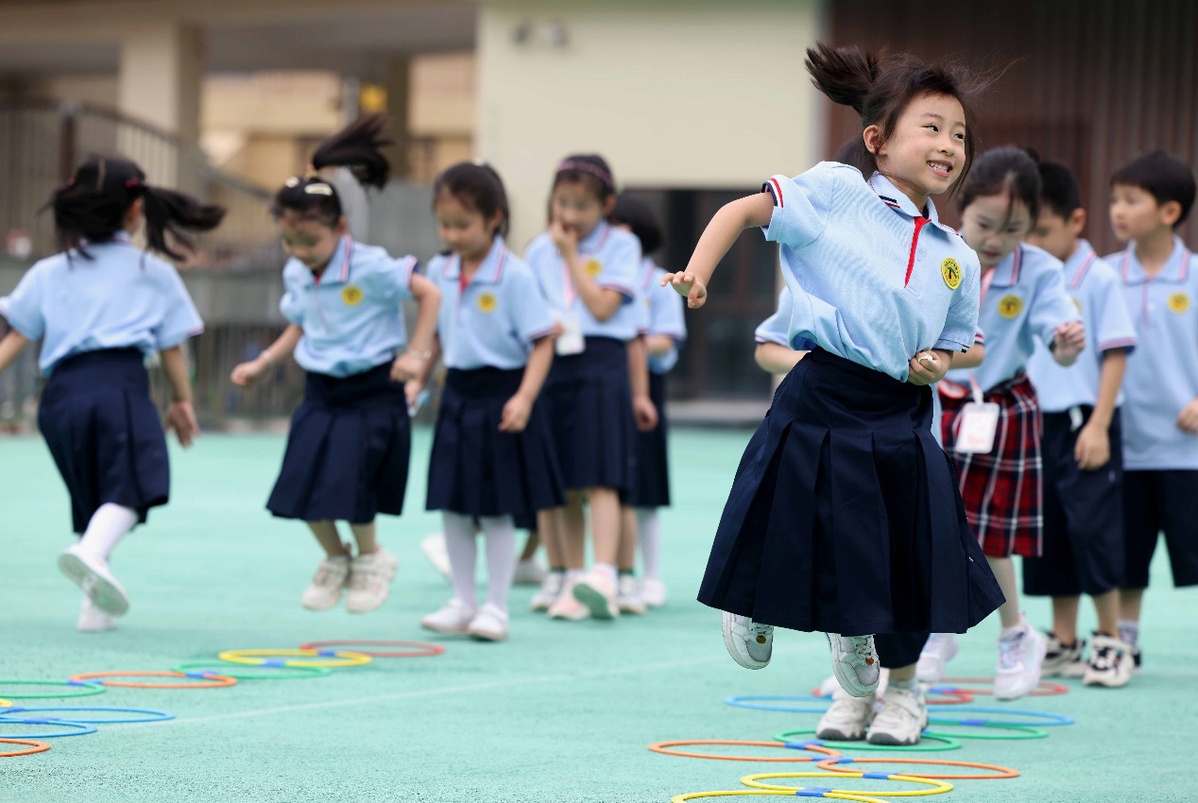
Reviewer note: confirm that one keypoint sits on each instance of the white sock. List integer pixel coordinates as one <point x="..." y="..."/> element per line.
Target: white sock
<point x="609" y="570"/>
<point x="1129" y="632"/>
<point x="574" y="574"/>
<point x="500" y="532"/>
<point x="648" y="525"/>
<point x="107" y="527"/>
<point x="463" y="554"/>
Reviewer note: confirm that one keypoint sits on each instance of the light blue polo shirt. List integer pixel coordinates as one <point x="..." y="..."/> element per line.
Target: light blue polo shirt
<point x="873" y="279"/>
<point x="495" y="320"/>
<point x="612" y="257"/>
<point x="1023" y="298"/>
<point x="122" y="297"/>
<point x="776" y="328"/>
<point x="665" y="316"/>
<point x="1162" y="375"/>
<point x="351" y="316"/>
<point x="1097" y="292"/>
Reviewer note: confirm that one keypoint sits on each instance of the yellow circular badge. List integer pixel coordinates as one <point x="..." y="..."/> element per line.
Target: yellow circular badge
<point x="351" y="295"/>
<point x="487" y="303"/>
<point x="594" y="267"/>
<point x="1010" y="306"/>
<point x="951" y="272"/>
<point x="1179" y="302"/>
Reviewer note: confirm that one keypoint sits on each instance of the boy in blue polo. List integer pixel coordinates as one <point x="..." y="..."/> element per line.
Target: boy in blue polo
<point x="1150" y="198"/>
<point x="1081" y="449"/>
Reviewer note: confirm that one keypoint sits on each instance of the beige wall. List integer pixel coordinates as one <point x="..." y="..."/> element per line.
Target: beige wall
<point x="674" y="94"/>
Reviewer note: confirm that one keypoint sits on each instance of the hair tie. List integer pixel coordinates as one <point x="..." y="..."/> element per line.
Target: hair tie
<point x="312" y="172"/>
<point x="586" y="167"/>
<point x="131" y="183"/>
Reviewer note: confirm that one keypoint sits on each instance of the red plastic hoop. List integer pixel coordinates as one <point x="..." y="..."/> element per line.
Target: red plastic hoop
<point x="954" y="696"/>
<point x="664" y="749"/>
<point x="1043" y="689"/>
<point x="207" y="680"/>
<point x="418" y="649"/>
<point x="835" y="764"/>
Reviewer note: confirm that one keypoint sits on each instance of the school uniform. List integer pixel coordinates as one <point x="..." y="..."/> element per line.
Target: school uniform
<point x="1160" y="459"/>
<point x="1083" y="510"/>
<point x="843" y="516"/>
<point x="348" y="449"/>
<point x="98" y="318"/>
<point x="587" y="396"/>
<point x="487" y="328"/>
<point x="1023" y="298"/>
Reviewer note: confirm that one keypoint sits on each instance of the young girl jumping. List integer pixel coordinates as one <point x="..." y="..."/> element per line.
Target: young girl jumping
<point x="100" y="307"/>
<point x="347" y="454"/>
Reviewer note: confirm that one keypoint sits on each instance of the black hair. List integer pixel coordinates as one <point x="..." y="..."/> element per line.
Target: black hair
<point x="358" y="147"/>
<point x="1059" y="192"/>
<point x="478" y="187"/>
<point x="93" y="205"/>
<point x="590" y="169"/>
<point x="1007" y="170"/>
<point x="637" y="215"/>
<point x="848" y="151"/>
<point x="879" y="87"/>
<point x="1164" y="177"/>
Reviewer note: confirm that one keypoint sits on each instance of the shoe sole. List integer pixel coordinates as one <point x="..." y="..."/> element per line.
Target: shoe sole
<point x="105" y="594"/>
<point x="887" y="739"/>
<point x="445" y="631"/>
<point x="730" y="641"/>
<point x="484" y="635"/>
<point x="635" y="610"/>
<point x="575" y="617"/>
<point x="310" y="607"/>
<point x="595" y="601"/>
<point x="838" y="736"/>
<point x="851" y="686"/>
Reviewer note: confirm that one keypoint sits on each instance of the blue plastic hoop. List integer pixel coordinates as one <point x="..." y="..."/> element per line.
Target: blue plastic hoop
<point x="154" y="716"/>
<point x="1047" y="719"/>
<point x="80" y="728"/>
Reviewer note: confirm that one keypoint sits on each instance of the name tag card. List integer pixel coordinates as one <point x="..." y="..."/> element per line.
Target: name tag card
<point x="979" y="423"/>
<point x="570" y="341"/>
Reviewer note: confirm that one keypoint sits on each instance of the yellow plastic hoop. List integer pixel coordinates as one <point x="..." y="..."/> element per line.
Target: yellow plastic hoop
<point x="5" y="703"/>
<point x="331" y="659"/>
<point x="739" y="792"/>
<point x="938" y="787"/>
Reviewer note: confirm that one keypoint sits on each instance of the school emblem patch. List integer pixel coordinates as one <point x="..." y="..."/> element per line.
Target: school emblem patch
<point x="487" y="302"/>
<point x="951" y="272"/>
<point x="1010" y="306"/>
<point x="351" y="295"/>
<point x="594" y="267"/>
<point x="1179" y="302"/>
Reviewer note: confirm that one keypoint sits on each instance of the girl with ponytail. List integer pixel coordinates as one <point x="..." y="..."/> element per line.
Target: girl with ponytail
<point x="100" y="307"/>
<point x="348" y="450"/>
<point x="844" y="516"/>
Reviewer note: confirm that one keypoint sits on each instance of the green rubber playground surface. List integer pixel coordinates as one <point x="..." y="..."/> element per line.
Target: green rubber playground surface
<point x="561" y="713"/>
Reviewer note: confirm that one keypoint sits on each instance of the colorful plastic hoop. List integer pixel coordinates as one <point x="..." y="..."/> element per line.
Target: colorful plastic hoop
<point x="153" y="716"/>
<point x="751" y="701"/>
<point x="828" y="795"/>
<point x="664" y="749"/>
<point x="209" y="681"/>
<point x="1047" y="718"/>
<point x="1008" y="733"/>
<point x="38" y="747"/>
<point x="80" y="728"/>
<point x="945" y="743"/>
<point x="1001" y="773"/>
<point x="84" y="689"/>
<point x="956" y="696"/>
<point x="1043" y="689"/>
<point x="417" y="649"/>
<point x="5" y="703"/>
<point x="938" y="787"/>
<point x="281" y="673"/>
<point x="331" y="659"/>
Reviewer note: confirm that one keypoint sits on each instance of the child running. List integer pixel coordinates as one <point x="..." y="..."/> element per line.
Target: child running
<point x="100" y="308"/>
<point x="844" y="517"/>
<point x="347" y="454"/>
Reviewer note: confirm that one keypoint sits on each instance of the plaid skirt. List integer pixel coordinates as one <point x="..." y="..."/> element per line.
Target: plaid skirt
<point x="1003" y="490"/>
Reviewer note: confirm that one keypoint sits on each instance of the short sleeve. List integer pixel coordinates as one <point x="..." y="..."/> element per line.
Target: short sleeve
<point x="23" y="309"/>
<point x="1052" y="306"/>
<point x="532" y="319"/>
<point x="291" y="305"/>
<point x="393" y="278"/>
<point x="961" y="330"/>
<point x="667" y="312"/>
<point x="802" y="205"/>
<point x="776" y="328"/>
<point x="621" y="267"/>
<point x="1113" y="327"/>
<point x="180" y="318"/>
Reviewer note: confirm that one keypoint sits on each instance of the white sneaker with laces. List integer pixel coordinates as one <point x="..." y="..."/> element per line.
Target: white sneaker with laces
<point x="933" y="660"/>
<point x="551" y="589"/>
<point x="370" y="579"/>
<point x="568" y="607"/>
<point x="903" y="717"/>
<point x="597" y="592"/>
<point x="848" y="718"/>
<point x="1111" y="662"/>
<point x="529" y="573"/>
<point x="1020" y="655"/>
<point x="749" y="643"/>
<point x="653" y="592"/>
<point x="91" y="574"/>
<point x="490" y="624"/>
<point x="433" y="547"/>
<point x="324" y="591"/>
<point x="855" y="663"/>
<point x="1063" y="660"/>
<point x="628" y="596"/>
<point x="94" y="620"/>
<point x="453" y="617"/>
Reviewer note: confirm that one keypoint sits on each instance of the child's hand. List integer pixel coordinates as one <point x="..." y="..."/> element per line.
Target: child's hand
<point x="515" y="414"/>
<point x="1093" y="449"/>
<point x="407" y="366"/>
<point x="564" y="237"/>
<point x="181" y="417"/>
<point x="412" y="390"/>
<point x="687" y="285"/>
<point x="1187" y="420"/>
<point x="645" y="413"/>
<point x="926" y="368"/>
<point x="1069" y="340"/>
<point x="248" y="373"/>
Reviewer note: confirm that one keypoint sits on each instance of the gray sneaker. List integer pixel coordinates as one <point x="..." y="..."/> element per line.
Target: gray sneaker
<point x="855" y="663"/>
<point x="1063" y="660"/>
<point x="749" y="643"/>
<point x="848" y="718"/>
<point x="903" y="717"/>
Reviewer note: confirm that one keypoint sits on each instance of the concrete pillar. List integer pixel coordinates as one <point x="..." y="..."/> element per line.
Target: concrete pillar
<point x="397" y="79"/>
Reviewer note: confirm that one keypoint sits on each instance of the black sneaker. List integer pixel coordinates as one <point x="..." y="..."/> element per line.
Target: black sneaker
<point x="1110" y="662"/>
<point x="1135" y="654"/>
<point x="1063" y="660"/>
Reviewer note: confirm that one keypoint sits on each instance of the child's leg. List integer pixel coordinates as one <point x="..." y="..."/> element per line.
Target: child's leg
<point x="1004" y="572"/>
<point x="530" y="546"/>
<point x="366" y="535"/>
<point x="1064" y="618"/>
<point x="605" y="528"/>
<point x="1107" y="607"/>
<point x="463" y="555"/>
<point x="86" y="563"/>
<point x="108" y="525"/>
<point x="330" y="540"/>
<point x="500" y="533"/>
<point x="648" y="527"/>
<point x="1130" y="602"/>
<point x="551" y="528"/>
<point x="573" y="540"/>
<point x="626" y="555"/>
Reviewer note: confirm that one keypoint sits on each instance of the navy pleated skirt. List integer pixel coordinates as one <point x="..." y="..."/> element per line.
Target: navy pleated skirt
<point x="844" y="515"/>
<point x="588" y="402"/>
<point x="475" y="469"/>
<point x="347" y="454"/>
<point x="105" y="433"/>
<point x="651" y="485"/>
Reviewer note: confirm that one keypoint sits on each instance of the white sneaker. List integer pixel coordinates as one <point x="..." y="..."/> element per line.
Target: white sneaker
<point x="903" y="717"/>
<point x="454" y="616"/>
<point x="848" y="717"/>
<point x="327" y="584"/>
<point x="529" y="573"/>
<point x="1062" y="660"/>
<point x="551" y="589"/>
<point x="567" y="607"/>
<point x="653" y="592"/>
<point x="94" y="620"/>
<point x="490" y="624"/>
<point x="597" y="592"/>
<point x="749" y="643"/>
<point x="855" y="663"/>
<point x="1020" y="655"/>
<point x="1111" y="662"/>
<point x="91" y="574"/>
<point x="933" y="660"/>
<point x="433" y="547"/>
<point x="628" y="596"/>
<point x="370" y="579"/>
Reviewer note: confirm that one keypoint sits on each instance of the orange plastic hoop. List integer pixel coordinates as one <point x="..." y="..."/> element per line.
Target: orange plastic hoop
<point x="835" y="764"/>
<point x="38" y="747"/>
<point x="207" y="680"/>
<point x="949" y="686"/>
<point x="664" y="749"/>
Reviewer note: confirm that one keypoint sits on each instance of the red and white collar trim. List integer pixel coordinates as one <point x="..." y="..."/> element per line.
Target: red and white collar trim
<point x="1080" y="274"/>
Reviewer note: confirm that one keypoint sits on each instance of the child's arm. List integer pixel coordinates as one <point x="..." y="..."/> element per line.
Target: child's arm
<point x="1068" y="342"/>
<point x="11" y="347"/>
<point x="775" y="358"/>
<point x="1093" y="449"/>
<point x="181" y="416"/>
<point x="753" y="211"/>
<point x="247" y="373"/>
<point x="601" y="302"/>
<point x="643" y="408"/>
<point x="1187" y="420"/>
<point x="415" y="386"/>
<point x="519" y="407"/>
<point x="657" y="345"/>
<point x="415" y="360"/>
<point x="969" y="359"/>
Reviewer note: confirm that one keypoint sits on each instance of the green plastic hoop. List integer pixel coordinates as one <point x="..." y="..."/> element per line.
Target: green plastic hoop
<point x="82" y="689"/>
